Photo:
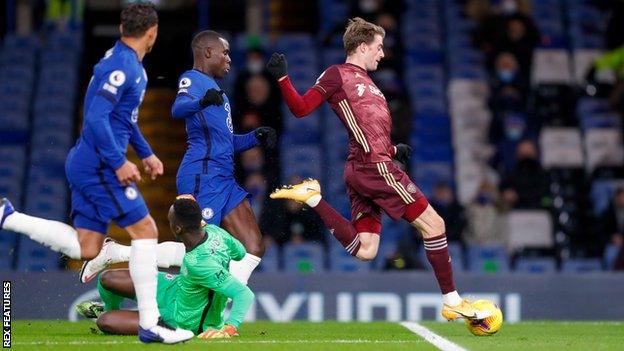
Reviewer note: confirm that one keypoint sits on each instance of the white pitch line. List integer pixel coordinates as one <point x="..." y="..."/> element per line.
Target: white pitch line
<point x="433" y="338"/>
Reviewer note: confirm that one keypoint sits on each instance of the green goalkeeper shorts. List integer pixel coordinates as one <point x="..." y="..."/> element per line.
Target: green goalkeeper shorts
<point x="166" y="293"/>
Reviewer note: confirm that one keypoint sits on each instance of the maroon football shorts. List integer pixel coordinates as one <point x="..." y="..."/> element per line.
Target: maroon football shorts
<point x="376" y="186"/>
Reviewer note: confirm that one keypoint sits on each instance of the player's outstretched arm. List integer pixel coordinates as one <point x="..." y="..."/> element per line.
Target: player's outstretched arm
<point x="265" y="136"/>
<point x="300" y="106"/>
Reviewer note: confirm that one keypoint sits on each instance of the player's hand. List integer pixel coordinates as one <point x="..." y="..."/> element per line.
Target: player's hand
<point x="153" y="166"/>
<point x="266" y="136"/>
<point x="212" y="97"/>
<point x="214" y="334"/>
<point x="277" y="66"/>
<point x="230" y="329"/>
<point x="403" y="153"/>
<point x="128" y="173"/>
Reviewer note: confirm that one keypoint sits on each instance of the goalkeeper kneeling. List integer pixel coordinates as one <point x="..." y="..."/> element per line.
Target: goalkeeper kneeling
<point x="196" y="298"/>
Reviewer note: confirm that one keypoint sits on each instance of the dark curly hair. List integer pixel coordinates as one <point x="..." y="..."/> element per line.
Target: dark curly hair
<point x="137" y="18"/>
<point x="187" y="211"/>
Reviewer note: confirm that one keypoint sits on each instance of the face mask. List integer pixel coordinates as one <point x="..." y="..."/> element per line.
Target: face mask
<point x="255" y="67"/>
<point x="506" y="75"/>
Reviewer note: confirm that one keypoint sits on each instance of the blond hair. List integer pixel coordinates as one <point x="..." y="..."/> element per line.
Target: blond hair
<point x="359" y="31"/>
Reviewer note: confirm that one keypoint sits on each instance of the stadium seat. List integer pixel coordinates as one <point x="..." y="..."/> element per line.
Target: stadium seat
<point x="33" y="256"/>
<point x="342" y="261"/>
<point x="610" y="254"/>
<point x="603" y="147"/>
<point x="530" y="229"/>
<point x="536" y="265"/>
<point x="7" y="249"/>
<point x="587" y="265"/>
<point x="561" y="148"/>
<point x="551" y="66"/>
<point x="387" y="248"/>
<point x="270" y="260"/>
<point x="303" y="258"/>
<point x="487" y="259"/>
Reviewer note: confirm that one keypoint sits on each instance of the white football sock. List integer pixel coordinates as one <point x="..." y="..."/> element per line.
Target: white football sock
<point x="143" y="273"/>
<point x="58" y="236"/>
<point x="314" y="200"/>
<point x="168" y="253"/>
<point x="242" y="269"/>
<point x="452" y="298"/>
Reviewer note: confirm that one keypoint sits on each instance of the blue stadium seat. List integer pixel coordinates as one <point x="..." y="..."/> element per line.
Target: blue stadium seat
<point x="491" y="259"/>
<point x="8" y="241"/>
<point x="581" y="265"/>
<point x="304" y="257"/>
<point x="270" y="260"/>
<point x="610" y="255"/>
<point x="341" y="261"/>
<point x="536" y="265"/>
<point x="33" y="256"/>
<point x="302" y="160"/>
<point x="602" y="193"/>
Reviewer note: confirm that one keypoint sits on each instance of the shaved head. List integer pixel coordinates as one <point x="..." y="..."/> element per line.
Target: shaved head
<point x="211" y="53"/>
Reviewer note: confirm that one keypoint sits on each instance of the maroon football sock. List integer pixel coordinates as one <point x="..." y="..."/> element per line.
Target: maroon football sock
<point x="436" y="249"/>
<point x="340" y="228"/>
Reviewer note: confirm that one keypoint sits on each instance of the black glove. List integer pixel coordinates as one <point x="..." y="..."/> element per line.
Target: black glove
<point x="266" y="136"/>
<point x="212" y="97"/>
<point x="277" y="65"/>
<point x="403" y="153"/>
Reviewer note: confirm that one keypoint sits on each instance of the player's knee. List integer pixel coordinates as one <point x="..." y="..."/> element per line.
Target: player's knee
<point x="255" y="247"/>
<point x="366" y="255"/>
<point x="434" y="227"/>
<point x="88" y="252"/>
<point x="106" y="279"/>
<point x="105" y="323"/>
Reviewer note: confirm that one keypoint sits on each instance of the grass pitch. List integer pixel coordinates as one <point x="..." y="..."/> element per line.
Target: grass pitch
<point x="300" y="336"/>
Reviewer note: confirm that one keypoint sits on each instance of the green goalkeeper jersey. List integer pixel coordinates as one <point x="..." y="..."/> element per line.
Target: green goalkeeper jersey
<point x="205" y="284"/>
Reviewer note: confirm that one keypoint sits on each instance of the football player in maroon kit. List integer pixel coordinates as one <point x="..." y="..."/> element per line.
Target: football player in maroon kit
<point x="374" y="182"/>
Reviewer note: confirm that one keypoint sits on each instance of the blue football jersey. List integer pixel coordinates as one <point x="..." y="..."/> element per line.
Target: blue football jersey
<point x="211" y="139"/>
<point x="111" y="111"/>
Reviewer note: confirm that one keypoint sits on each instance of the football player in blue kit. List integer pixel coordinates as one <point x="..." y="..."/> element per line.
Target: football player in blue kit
<point x="207" y="170"/>
<point x="102" y="180"/>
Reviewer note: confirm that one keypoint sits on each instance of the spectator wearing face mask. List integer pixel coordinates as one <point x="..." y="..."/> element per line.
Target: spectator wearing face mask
<point x="612" y="226"/>
<point x="486" y="224"/>
<point x="526" y="185"/>
<point x="257" y="96"/>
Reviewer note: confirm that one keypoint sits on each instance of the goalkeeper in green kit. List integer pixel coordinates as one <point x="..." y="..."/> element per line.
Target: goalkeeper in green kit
<point x="196" y="298"/>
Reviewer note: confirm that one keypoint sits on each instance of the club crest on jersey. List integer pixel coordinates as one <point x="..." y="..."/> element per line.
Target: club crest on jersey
<point x="411" y="188"/>
<point x="207" y="213"/>
<point x="169" y="276"/>
<point x="361" y="88"/>
<point x="131" y="193"/>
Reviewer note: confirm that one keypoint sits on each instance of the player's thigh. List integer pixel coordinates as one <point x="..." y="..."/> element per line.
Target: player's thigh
<point x="144" y="228"/>
<point x="118" y="281"/>
<point x="390" y="188"/>
<point x="241" y="223"/>
<point x="119" y="322"/>
<point x="90" y="242"/>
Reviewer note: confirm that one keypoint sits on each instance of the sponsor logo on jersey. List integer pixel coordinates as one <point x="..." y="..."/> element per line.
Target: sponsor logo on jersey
<point x="228" y="121"/>
<point x="411" y="188"/>
<point x="373" y="89"/>
<point x="207" y="213"/>
<point x="131" y="193"/>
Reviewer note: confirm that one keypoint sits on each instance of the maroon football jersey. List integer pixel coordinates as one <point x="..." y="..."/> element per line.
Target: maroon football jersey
<point x="363" y="110"/>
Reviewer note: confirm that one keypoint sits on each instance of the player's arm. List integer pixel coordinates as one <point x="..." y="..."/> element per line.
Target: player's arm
<point x="97" y="118"/>
<point x="214" y="277"/>
<point x="299" y="105"/>
<point x="151" y="164"/>
<point x="264" y="136"/>
<point x="189" y="100"/>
